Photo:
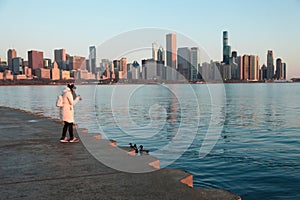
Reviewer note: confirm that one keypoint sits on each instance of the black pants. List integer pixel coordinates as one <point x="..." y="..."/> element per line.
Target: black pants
<point x="67" y="126"/>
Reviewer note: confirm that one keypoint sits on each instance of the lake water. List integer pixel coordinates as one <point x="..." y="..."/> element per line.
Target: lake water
<point x="241" y="137"/>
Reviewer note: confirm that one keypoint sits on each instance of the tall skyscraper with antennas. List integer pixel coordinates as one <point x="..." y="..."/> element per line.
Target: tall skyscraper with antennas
<point x="226" y="48"/>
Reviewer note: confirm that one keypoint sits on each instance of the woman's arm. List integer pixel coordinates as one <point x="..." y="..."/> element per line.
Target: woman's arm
<point x="77" y="99"/>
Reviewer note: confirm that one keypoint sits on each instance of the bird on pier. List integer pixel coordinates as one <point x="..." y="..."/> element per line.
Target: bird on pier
<point x="133" y="147"/>
<point x="143" y="151"/>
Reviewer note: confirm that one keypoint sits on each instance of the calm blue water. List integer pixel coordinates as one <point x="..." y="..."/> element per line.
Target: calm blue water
<point x="250" y="131"/>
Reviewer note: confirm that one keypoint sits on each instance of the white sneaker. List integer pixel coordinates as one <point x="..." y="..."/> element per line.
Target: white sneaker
<point x="65" y="140"/>
<point x="74" y="140"/>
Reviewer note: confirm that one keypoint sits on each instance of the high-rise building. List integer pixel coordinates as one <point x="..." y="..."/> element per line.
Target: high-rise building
<point x="270" y="65"/>
<point x="284" y="70"/>
<point x="253" y="68"/>
<point x="245" y="66"/>
<point x="116" y="68"/>
<point x="77" y="62"/>
<point x="226" y="71"/>
<point x="60" y="57"/>
<point x="87" y="64"/>
<point x="195" y="62"/>
<point x="206" y="71"/>
<point x="279" y="69"/>
<point x="161" y="69"/>
<point x="93" y="60"/>
<point x="11" y="53"/>
<point x="226" y="48"/>
<point x="154" y="51"/>
<point x="135" y="70"/>
<point x="234" y="70"/>
<point x="184" y="62"/>
<point x="263" y="72"/>
<point x="161" y="55"/>
<point x="234" y="54"/>
<point x="171" y="56"/>
<point x="240" y="72"/>
<point x="35" y="59"/>
<point x="43" y="73"/>
<point x="17" y="66"/>
<point x="47" y="63"/>
<point x="149" y="67"/>
<point x="123" y="68"/>
<point x="55" y="72"/>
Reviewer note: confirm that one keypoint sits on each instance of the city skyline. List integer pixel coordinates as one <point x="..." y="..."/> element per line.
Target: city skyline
<point x="267" y="25"/>
<point x="185" y="60"/>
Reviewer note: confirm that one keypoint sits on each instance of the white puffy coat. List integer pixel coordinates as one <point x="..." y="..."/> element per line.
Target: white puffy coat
<point x="68" y="103"/>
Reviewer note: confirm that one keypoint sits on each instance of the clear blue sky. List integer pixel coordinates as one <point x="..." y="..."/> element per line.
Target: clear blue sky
<point x="254" y="26"/>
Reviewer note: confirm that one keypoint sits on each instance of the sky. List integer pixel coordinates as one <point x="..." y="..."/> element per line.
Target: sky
<point x="254" y="27"/>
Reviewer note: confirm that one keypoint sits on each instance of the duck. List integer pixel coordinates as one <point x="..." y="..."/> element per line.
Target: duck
<point x="134" y="147"/>
<point x="143" y="151"/>
<point x="130" y="145"/>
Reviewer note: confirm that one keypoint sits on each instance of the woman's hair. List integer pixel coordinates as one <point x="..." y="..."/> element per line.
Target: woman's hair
<point x="71" y="86"/>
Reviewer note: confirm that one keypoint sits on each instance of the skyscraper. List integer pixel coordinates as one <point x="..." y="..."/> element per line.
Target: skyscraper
<point x="161" y="55"/>
<point x="135" y="71"/>
<point x="195" y="62"/>
<point x="245" y="66"/>
<point x="161" y="69"/>
<point x="17" y="64"/>
<point x="284" y="70"/>
<point x="263" y="72"/>
<point x="55" y="72"/>
<point x="171" y="55"/>
<point x="93" y="60"/>
<point x="77" y="62"/>
<point x="226" y="48"/>
<point x="279" y="69"/>
<point x="60" y="57"/>
<point x="184" y="62"/>
<point x="11" y="53"/>
<point x="154" y="51"/>
<point x="116" y="68"/>
<point x="35" y="59"/>
<point x="149" y="67"/>
<point x="240" y="69"/>
<point x="270" y="65"/>
<point x="123" y="68"/>
<point x="253" y="68"/>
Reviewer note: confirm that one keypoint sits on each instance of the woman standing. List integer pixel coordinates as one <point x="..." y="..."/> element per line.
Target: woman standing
<point x="68" y="113"/>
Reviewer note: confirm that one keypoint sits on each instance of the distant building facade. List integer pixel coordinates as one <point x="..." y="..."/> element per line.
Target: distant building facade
<point x="92" y="60"/>
<point x="60" y="57"/>
<point x="11" y="53"/>
<point x="195" y="63"/>
<point x="55" y="72"/>
<point x="77" y="62"/>
<point x="43" y="73"/>
<point x="270" y="65"/>
<point x="171" y="44"/>
<point x="35" y="59"/>
<point x="226" y="48"/>
<point x="17" y="66"/>
<point x="184" y="62"/>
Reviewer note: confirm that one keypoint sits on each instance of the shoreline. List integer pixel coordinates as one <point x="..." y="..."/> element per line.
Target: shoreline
<point x="33" y="83"/>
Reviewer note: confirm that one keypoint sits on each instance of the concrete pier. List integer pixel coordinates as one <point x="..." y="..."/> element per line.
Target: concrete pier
<point x="35" y="165"/>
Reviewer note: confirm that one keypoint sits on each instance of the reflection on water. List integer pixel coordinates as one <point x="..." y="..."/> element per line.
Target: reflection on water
<point x="257" y="155"/>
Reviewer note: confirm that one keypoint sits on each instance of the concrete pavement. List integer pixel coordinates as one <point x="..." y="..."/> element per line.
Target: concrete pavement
<point x="35" y="165"/>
